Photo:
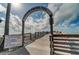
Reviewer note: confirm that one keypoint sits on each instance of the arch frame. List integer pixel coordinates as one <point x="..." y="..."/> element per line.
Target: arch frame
<point x="40" y="8"/>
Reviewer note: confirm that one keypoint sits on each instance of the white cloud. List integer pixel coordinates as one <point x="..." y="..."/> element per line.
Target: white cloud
<point x="63" y="15"/>
<point x="2" y="9"/>
<point x="37" y="26"/>
<point x="15" y="22"/>
<point x="66" y="14"/>
<point x="54" y="7"/>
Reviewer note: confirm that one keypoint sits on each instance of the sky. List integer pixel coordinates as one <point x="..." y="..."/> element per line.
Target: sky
<point x="66" y="18"/>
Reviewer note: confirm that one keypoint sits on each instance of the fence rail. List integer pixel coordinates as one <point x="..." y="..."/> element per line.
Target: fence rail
<point x="28" y="37"/>
<point x="66" y="44"/>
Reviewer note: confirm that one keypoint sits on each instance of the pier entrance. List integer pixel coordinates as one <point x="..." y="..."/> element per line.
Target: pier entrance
<point x="40" y="8"/>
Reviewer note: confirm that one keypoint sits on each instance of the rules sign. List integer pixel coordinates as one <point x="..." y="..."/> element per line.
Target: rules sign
<point x="12" y="41"/>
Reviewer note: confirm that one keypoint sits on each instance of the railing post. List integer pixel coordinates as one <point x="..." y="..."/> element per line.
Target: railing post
<point x="35" y="35"/>
<point x="22" y="33"/>
<point x="30" y="36"/>
<point x="51" y="48"/>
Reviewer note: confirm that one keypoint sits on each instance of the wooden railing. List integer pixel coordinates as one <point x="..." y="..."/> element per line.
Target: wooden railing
<point x="29" y="38"/>
<point x="66" y="44"/>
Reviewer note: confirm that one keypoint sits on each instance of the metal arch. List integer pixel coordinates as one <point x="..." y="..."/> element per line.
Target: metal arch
<point x="38" y="8"/>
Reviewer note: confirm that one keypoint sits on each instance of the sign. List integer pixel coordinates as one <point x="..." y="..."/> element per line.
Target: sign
<point x="12" y="41"/>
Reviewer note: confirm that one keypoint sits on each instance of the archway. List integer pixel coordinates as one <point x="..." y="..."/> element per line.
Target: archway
<point x="40" y="8"/>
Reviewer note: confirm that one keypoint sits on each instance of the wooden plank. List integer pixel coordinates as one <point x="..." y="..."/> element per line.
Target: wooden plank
<point x="71" y="47"/>
<point x="61" y="53"/>
<point x="66" y="35"/>
<point x="66" y="46"/>
<point x="77" y="42"/>
<point x="67" y="43"/>
<point x="66" y="38"/>
<point x="67" y="51"/>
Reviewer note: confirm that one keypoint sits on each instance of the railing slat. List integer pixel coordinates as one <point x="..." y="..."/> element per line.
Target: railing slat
<point x="66" y="38"/>
<point x="66" y="35"/>
<point x="74" y="42"/>
<point x="66" y="43"/>
<point x="71" y="47"/>
<point x="61" y="53"/>
<point x="67" y="51"/>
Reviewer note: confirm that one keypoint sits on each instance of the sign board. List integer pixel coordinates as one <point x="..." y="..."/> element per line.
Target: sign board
<point x="12" y="41"/>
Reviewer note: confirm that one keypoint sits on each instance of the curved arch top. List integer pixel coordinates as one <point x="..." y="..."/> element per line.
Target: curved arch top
<point x="38" y="8"/>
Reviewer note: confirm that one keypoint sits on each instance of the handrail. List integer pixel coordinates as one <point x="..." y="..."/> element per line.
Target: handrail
<point x="66" y="43"/>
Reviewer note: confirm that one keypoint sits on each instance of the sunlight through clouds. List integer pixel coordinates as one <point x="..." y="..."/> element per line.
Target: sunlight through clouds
<point x="65" y="18"/>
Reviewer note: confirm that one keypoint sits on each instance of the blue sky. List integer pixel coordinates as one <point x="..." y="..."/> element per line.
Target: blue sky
<point x="24" y="8"/>
<point x="66" y="17"/>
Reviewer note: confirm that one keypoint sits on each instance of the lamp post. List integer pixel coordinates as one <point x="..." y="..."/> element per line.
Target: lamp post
<point x="6" y="32"/>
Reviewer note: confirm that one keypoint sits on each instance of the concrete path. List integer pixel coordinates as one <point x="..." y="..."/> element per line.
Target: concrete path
<point x="40" y="46"/>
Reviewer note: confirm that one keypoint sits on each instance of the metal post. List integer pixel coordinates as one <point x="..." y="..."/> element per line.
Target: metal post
<point x="51" y="38"/>
<point x="22" y="33"/>
<point x="7" y="19"/>
<point x="30" y="36"/>
<point x="35" y="35"/>
<point x="6" y="31"/>
<point x="51" y="50"/>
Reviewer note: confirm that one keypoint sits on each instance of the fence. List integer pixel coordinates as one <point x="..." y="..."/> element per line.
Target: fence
<point x="66" y="44"/>
<point x="29" y="37"/>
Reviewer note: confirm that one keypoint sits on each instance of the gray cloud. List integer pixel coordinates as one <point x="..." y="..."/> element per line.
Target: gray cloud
<point x="63" y="15"/>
